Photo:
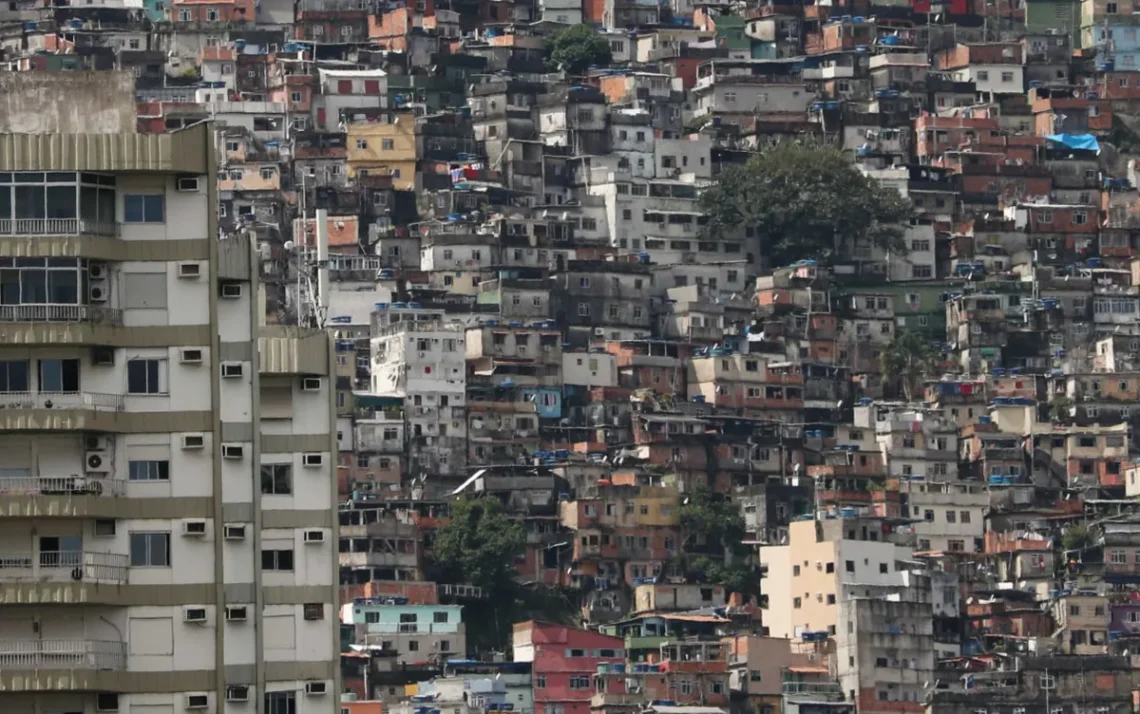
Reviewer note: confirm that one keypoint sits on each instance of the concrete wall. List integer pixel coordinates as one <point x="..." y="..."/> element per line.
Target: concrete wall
<point x="67" y="103"/>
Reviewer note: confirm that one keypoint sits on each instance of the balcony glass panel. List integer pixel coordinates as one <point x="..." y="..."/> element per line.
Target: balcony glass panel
<point x="57" y="202"/>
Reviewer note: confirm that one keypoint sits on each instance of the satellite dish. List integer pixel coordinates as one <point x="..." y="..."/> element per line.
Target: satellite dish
<point x="290" y="245"/>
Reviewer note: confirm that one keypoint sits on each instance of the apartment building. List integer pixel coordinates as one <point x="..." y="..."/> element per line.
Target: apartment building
<point x="166" y="473"/>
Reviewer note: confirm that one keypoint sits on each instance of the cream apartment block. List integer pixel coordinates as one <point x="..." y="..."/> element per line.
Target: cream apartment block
<point x="168" y="535"/>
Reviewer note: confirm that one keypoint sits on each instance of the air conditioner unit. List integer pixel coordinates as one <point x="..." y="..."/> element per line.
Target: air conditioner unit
<point x="315" y="535"/>
<point x="189" y="185"/>
<point x="197" y="701"/>
<point x="232" y="451"/>
<point x="231" y="291"/>
<point x="599" y="332"/>
<point x="193" y="441"/>
<point x="97" y="292"/>
<point x="190" y="355"/>
<point x="97" y="271"/>
<point x="103" y="355"/>
<point x="194" y="529"/>
<point x="316" y="689"/>
<point x="232" y="370"/>
<point x="233" y="532"/>
<point x="236" y="613"/>
<point x="97" y="462"/>
<point x="237" y="693"/>
<point x="313" y="460"/>
<point x="310" y="384"/>
<point x="194" y="615"/>
<point x="189" y="270"/>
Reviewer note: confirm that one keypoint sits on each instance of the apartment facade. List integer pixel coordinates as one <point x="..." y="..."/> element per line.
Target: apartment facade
<point x="166" y="462"/>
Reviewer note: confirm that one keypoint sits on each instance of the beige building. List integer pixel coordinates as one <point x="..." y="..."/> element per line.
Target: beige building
<point x="169" y="536"/>
<point x="806" y="576"/>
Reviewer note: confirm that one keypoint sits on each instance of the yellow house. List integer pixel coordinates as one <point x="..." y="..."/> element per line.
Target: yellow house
<point x="385" y="147"/>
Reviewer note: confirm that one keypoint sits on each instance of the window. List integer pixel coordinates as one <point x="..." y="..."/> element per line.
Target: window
<point x="440" y="617"/>
<point x="295" y="97"/>
<point x="276" y="560"/>
<point x="1007" y="77"/>
<point x="883" y="569"/>
<point x="150" y="550"/>
<point x="921" y="271"/>
<point x="144" y="208"/>
<point x="797" y="602"/>
<point x="59" y="375"/>
<point x="964" y="517"/>
<point x="849" y="566"/>
<point x="579" y="682"/>
<point x="387" y="144"/>
<point x="148" y="470"/>
<point x="540" y="682"/>
<point x="146" y="376"/>
<point x="951" y="516"/>
<point x="583" y="309"/>
<point x="14" y="376"/>
<point x="920" y="245"/>
<point x="362" y="143"/>
<point x="413" y="646"/>
<point x="983" y="76"/>
<point x="276" y="479"/>
<point x="280" y="703"/>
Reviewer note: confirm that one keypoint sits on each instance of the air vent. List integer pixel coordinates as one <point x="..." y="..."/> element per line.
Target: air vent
<point x="189" y="270"/>
<point x="316" y="689"/>
<point x="314" y="536"/>
<point x="106" y="702"/>
<point x="197" y="701"/>
<point x="194" y="529"/>
<point x="231" y="291"/>
<point x="188" y="185"/>
<point x="237" y="693"/>
<point x="237" y="613"/>
<point x="194" y="615"/>
<point x="190" y="355"/>
<point x="232" y="370"/>
<point x="103" y="356"/>
<point x="193" y="441"/>
<point x="233" y="532"/>
<point x="232" y="451"/>
<point x="312" y="460"/>
<point x="311" y="384"/>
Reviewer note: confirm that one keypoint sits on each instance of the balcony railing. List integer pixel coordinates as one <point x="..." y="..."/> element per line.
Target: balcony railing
<point x="62" y="400"/>
<point x="61" y="486"/>
<point x="56" y="227"/>
<point x="63" y="566"/>
<point x="93" y="314"/>
<point x="62" y="654"/>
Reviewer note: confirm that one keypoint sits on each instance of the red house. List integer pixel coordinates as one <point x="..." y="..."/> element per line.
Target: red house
<point x="564" y="661"/>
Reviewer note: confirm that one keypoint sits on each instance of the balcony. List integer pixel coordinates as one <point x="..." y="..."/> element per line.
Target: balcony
<point x="60" y="325"/>
<point x="57" y="227"/>
<point x="61" y="401"/>
<point x="66" y="566"/>
<point x="28" y="655"/>
<point x="92" y="314"/>
<point x="61" y="497"/>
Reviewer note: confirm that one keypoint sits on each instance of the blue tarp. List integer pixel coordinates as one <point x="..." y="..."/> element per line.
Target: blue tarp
<point x="1083" y="142"/>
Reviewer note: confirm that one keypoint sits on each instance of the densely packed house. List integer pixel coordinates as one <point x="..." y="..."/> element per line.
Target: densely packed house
<point x="512" y="262"/>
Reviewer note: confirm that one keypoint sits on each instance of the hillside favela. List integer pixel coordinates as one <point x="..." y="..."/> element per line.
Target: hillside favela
<point x="569" y="357"/>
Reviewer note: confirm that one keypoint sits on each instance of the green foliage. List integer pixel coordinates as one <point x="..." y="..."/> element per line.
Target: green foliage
<point x="712" y="531"/>
<point x="804" y="200"/>
<point x="907" y="358"/>
<point x="1059" y="408"/>
<point x="478" y="546"/>
<point x="1078" y="537"/>
<point x="576" y="48"/>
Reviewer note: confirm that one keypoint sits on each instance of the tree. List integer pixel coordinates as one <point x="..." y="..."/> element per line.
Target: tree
<point x="908" y="357"/>
<point x="805" y="201"/>
<point x="575" y="49"/>
<point x="478" y="546"/>
<point x="712" y="535"/>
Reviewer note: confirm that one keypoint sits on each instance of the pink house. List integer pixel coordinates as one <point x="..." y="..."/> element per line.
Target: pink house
<point x="564" y="661"/>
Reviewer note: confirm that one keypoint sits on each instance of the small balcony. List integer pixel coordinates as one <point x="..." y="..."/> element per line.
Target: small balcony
<point x="28" y="655"/>
<point x="89" y="314"/>
<point x="61" y="486"/>
<point x="57" y="227"/>
<point x="63" y="566"/>
<point x="81" y="401"/>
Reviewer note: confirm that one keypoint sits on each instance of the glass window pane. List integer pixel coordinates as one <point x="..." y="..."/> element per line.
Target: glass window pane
<point x="51" y="375"/>
<point x="9" y="287"/>
<point x="155" y="209"/>
<point x="136" y="376"/>
<point x="133" y="209"/>
<point x="107" y="205"/>
<point x="61" y="202"/>
<point x="33" y="287"/>
<point x="63" y="287"/>
<point x="89" y="203"/>
<point x="139" y="549"/>
<point x="30" y="202"/>
<point x="5" y="202"/>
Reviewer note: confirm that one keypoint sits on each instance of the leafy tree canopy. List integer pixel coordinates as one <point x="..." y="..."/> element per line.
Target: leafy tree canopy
<point x="805" y="201"/>
<point x="478" y="546"/>
<point x="713" y="518"/>
<point x="908" y="357"/>
<point x="578" y="47"/>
